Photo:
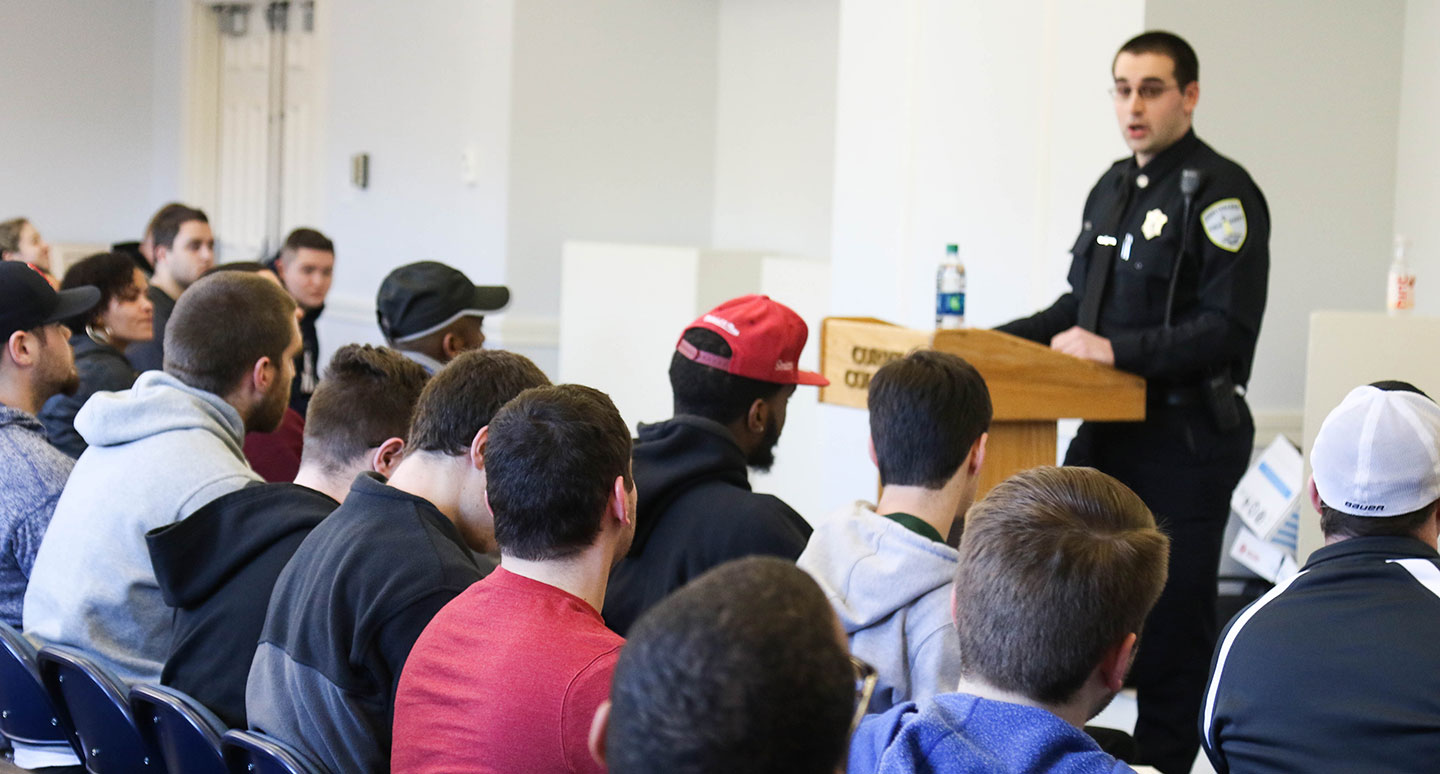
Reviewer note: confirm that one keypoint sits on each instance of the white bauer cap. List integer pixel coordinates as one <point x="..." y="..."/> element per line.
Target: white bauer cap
<point x="1378" y="453"/>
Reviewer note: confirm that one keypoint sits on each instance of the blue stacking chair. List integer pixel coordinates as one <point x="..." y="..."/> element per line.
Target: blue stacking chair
<point x="179" y="729"/>
<point x="251" y="752"/>
<point x="93" y="702"/>
<point x="26" y="713"/>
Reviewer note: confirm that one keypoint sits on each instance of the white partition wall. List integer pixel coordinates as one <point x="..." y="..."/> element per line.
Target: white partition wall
<point x="622" y="308"/>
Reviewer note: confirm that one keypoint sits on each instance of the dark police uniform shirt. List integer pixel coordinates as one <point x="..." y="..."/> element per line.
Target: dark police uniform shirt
<point x="1222" y="277"/>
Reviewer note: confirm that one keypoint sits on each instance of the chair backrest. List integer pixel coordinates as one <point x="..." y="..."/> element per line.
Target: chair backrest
<point x="251" y="752"/>
<point x="93" y="702"/>
<point x="179" y="729"/>
<point x="26" y="713"/>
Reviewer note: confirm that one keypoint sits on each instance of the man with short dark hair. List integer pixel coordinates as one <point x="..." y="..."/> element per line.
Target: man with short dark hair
<point x="184" y="249"/>
<point x="347" y="608"/>
<point x="157" y="453"/>
<point x="742" y="670"/>
<point x="432" y="312"/>
<point x="306" y="266"/>
<point x="1058" y="569"/>
<point x="217" y="567"/>
<point x="887" y="567"/>
<point x="1335" y="669"/>
<point x="557" y="467"/>
<point x="36" y="363"/>
<point x="1168" y="281"/>
<point x="732" y="374"/>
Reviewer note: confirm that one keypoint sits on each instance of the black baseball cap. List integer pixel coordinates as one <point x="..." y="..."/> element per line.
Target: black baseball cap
<point x="27" y="300"/>
<point x="418" y="299"/>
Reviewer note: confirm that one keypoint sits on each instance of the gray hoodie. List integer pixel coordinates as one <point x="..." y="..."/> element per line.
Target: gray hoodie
<point x="157" y="453"/>
<point x="891" y="589"/>
<point x="32" y="475"/>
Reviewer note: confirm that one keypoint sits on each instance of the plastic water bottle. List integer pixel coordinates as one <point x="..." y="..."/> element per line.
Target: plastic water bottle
<point x="1400" y="285"/>
<point x="950" y="290"/>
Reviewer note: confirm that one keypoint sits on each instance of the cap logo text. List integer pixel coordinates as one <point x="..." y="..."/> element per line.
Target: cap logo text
<point x="784" y="365"/>
<point x="1359" y="507"/>
<point x="722" y="323"/>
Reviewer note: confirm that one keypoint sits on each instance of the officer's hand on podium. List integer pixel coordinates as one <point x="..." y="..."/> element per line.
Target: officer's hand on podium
<point x="1083" y="344"/>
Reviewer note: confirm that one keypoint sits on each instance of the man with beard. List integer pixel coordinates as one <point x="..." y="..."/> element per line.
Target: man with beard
<point x="1058" y="569"/>
<point x="157" y="453"/>
<point x="36" y="364"/>
<point x="732" y="374"/>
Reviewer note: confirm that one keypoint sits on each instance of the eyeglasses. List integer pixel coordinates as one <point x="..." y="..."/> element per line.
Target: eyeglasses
<point x="865" y="679"/>
<point x="1147" y="91"/>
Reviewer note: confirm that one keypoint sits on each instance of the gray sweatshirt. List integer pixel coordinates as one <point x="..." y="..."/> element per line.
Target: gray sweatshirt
<point x="157" y="453"/>
<point x="891" y="589"/>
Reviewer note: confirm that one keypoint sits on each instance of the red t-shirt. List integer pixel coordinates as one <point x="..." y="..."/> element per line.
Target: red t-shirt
<point x="506" y="678"/>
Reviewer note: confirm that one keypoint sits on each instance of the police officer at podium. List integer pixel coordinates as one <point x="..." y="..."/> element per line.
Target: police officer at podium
<point x="1168" y="280"/>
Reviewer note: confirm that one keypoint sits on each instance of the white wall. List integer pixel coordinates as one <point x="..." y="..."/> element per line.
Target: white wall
<point x="413" y="85"/>
<point x="612" y="132"/>
<point x="775" y="125"/>
<point x="75" y="150"/>
<point x="1305" y="94"/>
<point x="1417" y="180"/>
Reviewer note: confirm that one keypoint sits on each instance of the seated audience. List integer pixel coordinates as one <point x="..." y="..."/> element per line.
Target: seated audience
<point x="1336" y="668"/>
<point x="157" y="453"/>
<point x="732" y="374"/>
<point x="887" y="568"/>
<point x="432" y="313"/>
<point x="20" y="241"/>
<point x="99" y="338"/>
<point x="275" y="455"/>
<point x="218" y="567"/>
<point x="557" y="468"/>
<point x="742" y="670"/>
<point x="1058" y="569"/>
<point x="305" y="266"/>
<point x="361" y="587"/>
<point x="36" y="364"/>
<point x="183" y="250"/>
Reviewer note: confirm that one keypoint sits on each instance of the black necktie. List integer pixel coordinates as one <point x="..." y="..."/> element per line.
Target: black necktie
<point x="1102" y="258"/>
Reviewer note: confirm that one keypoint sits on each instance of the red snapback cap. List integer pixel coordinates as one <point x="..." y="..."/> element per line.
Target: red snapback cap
<point x="765" y="338"/>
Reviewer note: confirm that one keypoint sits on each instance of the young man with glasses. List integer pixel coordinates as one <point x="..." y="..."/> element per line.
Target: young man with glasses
<point x="745" y="669"/>
<point x="1168" y="281"/>
<point x="1058" y="569"/>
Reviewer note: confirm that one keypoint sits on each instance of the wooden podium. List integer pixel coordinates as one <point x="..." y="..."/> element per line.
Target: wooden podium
<point x="1031" y="386"/>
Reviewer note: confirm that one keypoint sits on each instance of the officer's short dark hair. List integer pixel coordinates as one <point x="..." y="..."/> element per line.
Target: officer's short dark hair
<point x="550" y="468"/>
<point x="709" y="392"/>
<point x="464" y="395"/>
<point x="741" y="670"/>
<point x="926" y="410"/>
<point x="1187" y="65"/>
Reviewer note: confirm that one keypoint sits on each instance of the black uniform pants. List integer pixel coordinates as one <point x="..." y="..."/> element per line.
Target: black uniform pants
<point x="1185" y="470"/>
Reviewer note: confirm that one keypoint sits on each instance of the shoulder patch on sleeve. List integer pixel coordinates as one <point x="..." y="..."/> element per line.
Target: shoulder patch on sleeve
<point x="1224" y="223"/>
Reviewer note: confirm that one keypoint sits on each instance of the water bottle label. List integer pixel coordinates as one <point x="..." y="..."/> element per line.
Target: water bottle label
<point x="950" y="304"/>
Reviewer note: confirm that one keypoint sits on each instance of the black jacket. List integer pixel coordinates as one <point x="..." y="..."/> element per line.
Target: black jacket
<point x="217" y="568"/>
<point x="695" y="511"/>
<point x="307" y="363"/>
<point x="1336" y="669"/>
